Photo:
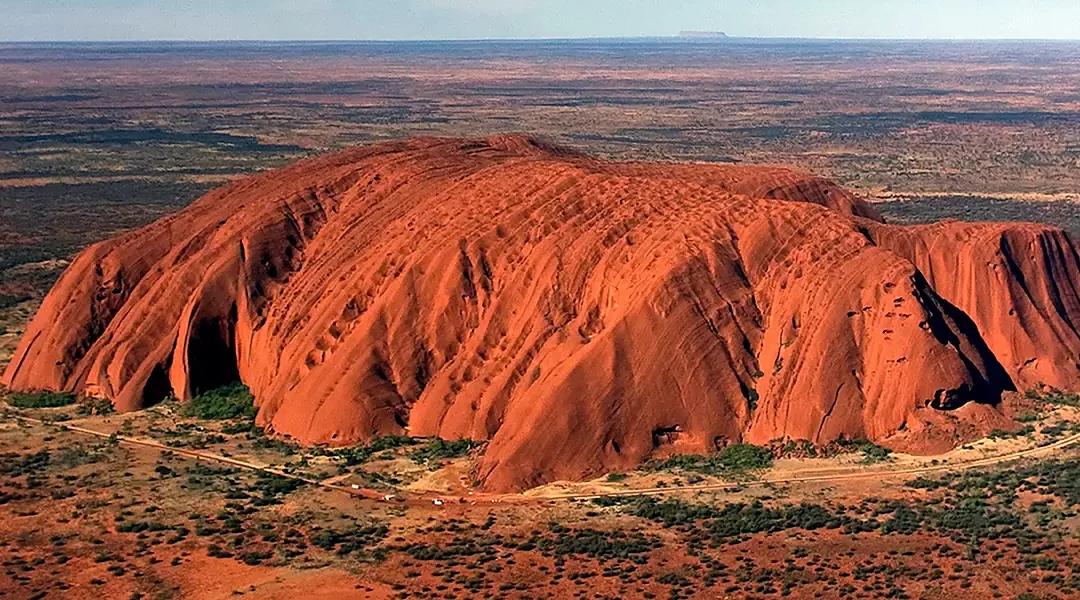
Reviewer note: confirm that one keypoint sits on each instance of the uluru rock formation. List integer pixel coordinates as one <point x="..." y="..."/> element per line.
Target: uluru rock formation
<point x="581" y="315"/>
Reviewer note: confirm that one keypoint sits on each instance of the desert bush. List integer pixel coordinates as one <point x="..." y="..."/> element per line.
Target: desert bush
<point x="1054" y="397"/>
<point x="40" y="399"/>
<point x="237" y="427"/>
<point x="273" y="488"/>
<point x="229" y="402"/>
<point x="357" y="538"/>
<point x="872" y="453"/>
<point x="594" y="543"/>
<point x="440" y="449"/>
<point x="94" y="406"/>
<point x="357" y="455"/>
<point x="216" y="551"/>
<point x="1000" y="434"/>
<point x="16" y="465"/>
<point x="743" y="457"/>
<point x="739" y="458"/>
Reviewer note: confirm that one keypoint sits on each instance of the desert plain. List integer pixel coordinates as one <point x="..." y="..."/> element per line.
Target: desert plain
<point x="195" y="500"/>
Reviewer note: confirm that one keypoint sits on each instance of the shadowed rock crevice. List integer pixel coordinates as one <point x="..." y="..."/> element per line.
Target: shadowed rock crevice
<point x="954" y="328"/>
<point x="990" y="383"/>
<point x="577" y="314"/>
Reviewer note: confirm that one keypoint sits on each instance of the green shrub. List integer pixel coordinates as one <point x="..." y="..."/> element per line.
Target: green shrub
<point x="752" y="398"/>
<point x="738" y="458"/>
<point x="40" y="400"/>
<point x="89" y="407"/>
<point x="1055" y="397"/>
<point x="1000" y="434"/>
<point x="440" y="449"/>
<point x="731" y="521"/>
<point x="745" y="457"/>
<point x="229" y="402"/>
<point x="358" y="455"/>
<point x="237" y="427"/>
<point x="216" y="551"/>
<point x="872" y="453"/>
<point x="354" y="539"/>
<point x="261" y="442"/>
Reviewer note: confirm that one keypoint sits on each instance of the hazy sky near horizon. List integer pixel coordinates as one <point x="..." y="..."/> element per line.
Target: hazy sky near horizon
<point x="28" y="20"/>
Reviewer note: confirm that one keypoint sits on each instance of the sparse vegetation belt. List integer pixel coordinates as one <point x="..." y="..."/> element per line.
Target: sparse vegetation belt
<point x="982" y="462"/>
<point x="202" y="456"/>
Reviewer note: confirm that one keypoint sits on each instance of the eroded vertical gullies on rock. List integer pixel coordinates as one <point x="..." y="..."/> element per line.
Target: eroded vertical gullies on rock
<point x="581" y="315"/>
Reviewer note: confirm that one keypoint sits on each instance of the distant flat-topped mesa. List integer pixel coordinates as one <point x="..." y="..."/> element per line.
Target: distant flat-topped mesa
<point x="581" y="315"/>
<point x="706" y="35"/>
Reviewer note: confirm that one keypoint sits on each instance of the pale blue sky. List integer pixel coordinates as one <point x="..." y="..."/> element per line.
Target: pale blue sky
<point x="456" y="19"/>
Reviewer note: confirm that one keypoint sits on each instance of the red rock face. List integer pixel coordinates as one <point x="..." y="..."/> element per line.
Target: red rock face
<point x="579" y="314"/>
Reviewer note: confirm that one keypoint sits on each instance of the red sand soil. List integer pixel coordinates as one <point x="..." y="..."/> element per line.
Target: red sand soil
<point x="579" y="314"/>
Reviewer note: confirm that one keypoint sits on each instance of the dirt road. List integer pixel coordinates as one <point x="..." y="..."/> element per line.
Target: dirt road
<point x="197" y="455"/>
<point x="846" y="476"/>
<point x="517" y="498"/>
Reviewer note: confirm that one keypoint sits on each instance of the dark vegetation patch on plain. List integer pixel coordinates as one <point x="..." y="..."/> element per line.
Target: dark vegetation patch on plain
<point x="978" y="208"/>
<point x="233" y="401"/>
<point x="40" y="399"/>
<point x="734" y="459"/>
<point x="57" y="220"/>
<point x="125" y="137"/>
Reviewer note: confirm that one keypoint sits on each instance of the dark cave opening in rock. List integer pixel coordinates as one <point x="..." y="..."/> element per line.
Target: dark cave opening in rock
<point x="157" y="387"/>
<point x="212" y="355"/>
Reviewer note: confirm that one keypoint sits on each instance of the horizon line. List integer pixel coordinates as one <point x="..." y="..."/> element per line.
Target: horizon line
<point x="689" y="39"/>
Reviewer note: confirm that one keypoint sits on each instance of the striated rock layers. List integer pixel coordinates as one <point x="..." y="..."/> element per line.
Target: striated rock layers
<point x="579" y="314"/>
